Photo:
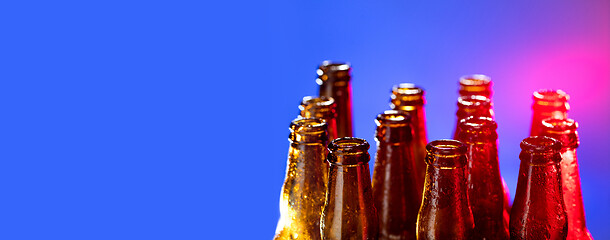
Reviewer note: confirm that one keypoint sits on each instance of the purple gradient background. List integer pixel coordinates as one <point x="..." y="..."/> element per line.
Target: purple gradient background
<point x="169" y="120"/>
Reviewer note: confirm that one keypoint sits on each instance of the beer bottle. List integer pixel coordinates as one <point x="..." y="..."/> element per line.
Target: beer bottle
<point x="396" y="191"/>
<point x="321" y="107"/>
<point x="548" y="104"/>
<point x="485" y="189"/>
<point x="476" y="84"/>
<point x="410" y="98"/>
<point x="445" y="210"/>
<point x="349" y="211"/>
<point x="334" y="80"/>
<point x="472" y="105"/>
<point x="538" y="211"/>
<point x="304" y="189"/>
<point x="564" y="130"/>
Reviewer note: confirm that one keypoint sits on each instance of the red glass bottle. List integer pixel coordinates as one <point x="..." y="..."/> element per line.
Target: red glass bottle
<point x="395" y="188"/>
<point x="303" y="192"/>
<point x="476" y="84"/>
<point x="410" y="98"/>
<point x="445" y="211"/>
<point x="334" y="80"/>
<point x="472" y="105"/>
<point x="349" y="211"/>
<point x="539" y="211"/>
<point x="321" y="107"/>
<point x="564" y="130"/>
<point x="548" y="104"/>
<point x="485" y="188"/>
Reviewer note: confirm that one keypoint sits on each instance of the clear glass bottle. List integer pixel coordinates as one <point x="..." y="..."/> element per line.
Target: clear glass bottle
<point x="396" y="191"/>
<point x="321" y="107"/>
<point x="445" y="210"/>
<point x="564" y="130"/>
<point x="349" y="211"/>
<point x="303" y="192"/>
<point x="548" y="104"/>
<point x="539" y="211"/>
<point x="334" y="81"/>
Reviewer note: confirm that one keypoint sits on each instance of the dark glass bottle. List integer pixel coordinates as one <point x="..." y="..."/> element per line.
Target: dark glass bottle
<point x="539" y="211"/>
<point x="410" y="98"/>
<point x="564" y="130"/>
<point x="476" y="84"/>
<point x="472" y="105"/>
<point x="396" y="191"/>
<point x="548" y="104"/>
<point x="303" y="192"/>
<point x="485" y="189"/>
<point x="321" y="107"/>
<point x="445" y="211"/>
<point x="349" y="211"/>
<point x="334" y="80"/>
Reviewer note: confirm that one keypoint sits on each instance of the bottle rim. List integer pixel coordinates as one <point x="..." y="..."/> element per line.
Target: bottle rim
<point x="446" y="148"/>
<point x="348" y="146"/>
<point x="478" y="123"/>
<point x="540" y="144"/>
<point x="475" y="80"/>
<point x="473" y="101"/>
<point x="393" y="118"/>
<point x="550" y="95"/>
<point x="308" y="125"/>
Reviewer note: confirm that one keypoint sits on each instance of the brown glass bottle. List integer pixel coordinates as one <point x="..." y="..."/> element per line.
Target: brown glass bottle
<point x="334" y="80"/>
<point x="396" y="191"/>
<point x="538" y="211"/>
<point x="476" y="84"/>
<point x="445" y="211"/>
<point x="548" y="104"/>
<point x="349" y="211"/>
<point x="472" y="105"/>
<point x="410" y="98"/>
<point x="303" y="192"/>
<point x="485" y="188"/>
<point x="321" y="107"/>
<point x="564" y="130"/>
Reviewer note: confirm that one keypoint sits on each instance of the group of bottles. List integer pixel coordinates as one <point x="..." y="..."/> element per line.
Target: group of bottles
<point x="444" y="189"/>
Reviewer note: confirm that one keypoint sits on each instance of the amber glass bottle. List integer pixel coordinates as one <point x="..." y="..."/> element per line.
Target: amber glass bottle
<point x="396" y="191"/>
<point x="334" y="80"/>
<point x="564" y="130"/>
<point x="485" y="189"/>
<point x="548" y="104"/>
<point x="539" y="211"/>
<point x="445" y="211"/>
<point x="321" y="107"/>
<point x="349" y="211"/>
<point x="476" y="84"/>
<point x="472" y="105"/>
<point x="410" y="98"/>
<point x="303" y="192"/>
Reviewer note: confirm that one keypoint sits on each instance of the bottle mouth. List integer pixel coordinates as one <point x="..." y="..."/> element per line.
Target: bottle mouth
<point x="563" y="130"/>
<point x="393" y="118"/>
<point x="540" y="144"/>
<point x="446" y="148"/>
<point x="308" y="125"/>
<point x="548" y="97"/>
<point x="474" y="101"/>
<point x="335" y="71"/>
<point x="474" y="123"/>
<point x="407" y="89"/>
<point x="475" y="80"/>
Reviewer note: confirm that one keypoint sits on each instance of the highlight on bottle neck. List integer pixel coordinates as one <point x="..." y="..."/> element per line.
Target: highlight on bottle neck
<point x="478" y="129"/>
<point x="333" y="72"/>
<point x="308" y="130"/>
<point x="318" y="107"/>
<point x="406" y="95"/>
<point x="475" y="84"/>
<point x="393" y="126"/>
<point x="474" y="103"/>
<point x="540" y="150"/>
<point x="446" y="153"/>
<point x="553" y="99"/>
<point x="563" y="130"/>
<point x="348" y="151"/>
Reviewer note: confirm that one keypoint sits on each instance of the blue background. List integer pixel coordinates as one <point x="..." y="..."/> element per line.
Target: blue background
<point x="169" y="120"/>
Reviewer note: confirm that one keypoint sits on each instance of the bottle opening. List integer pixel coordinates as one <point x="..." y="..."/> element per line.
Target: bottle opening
<point x="348" y="151"/>
<point x="551" y="98"/>
<point x="446" y="147"/>
<point x="559" y="125"/>
<point x="474" y="123"/>
<point x="540" y="144"/>
<point x="308" y="125"/>
<point x="407" y="89"/>
<point x="393" y="118"/>
<point x="475" y="80"/>
<point x="317" y="101"/>
<point x="474" y="101"/>
<point x="334" y="71"/>
<point x="406" y="95"/>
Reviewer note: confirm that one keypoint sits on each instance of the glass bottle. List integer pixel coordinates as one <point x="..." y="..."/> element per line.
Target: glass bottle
<point x="476" y="84"/>
<point x="548" y="104"/>
<point x="472" y="105"/>
<point x="539" y="211"/>
<point x="485" y="188"/>
<point x="445" y="211"/>
<point x="303" y="192"/>
<point x="334" y="80"/>
<point x="564" y="130"/>
<point x="321" y="107"/>
<point x="396" y="191"/>
<point x="410" y="98"/>
<point x="349" y="211"/>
